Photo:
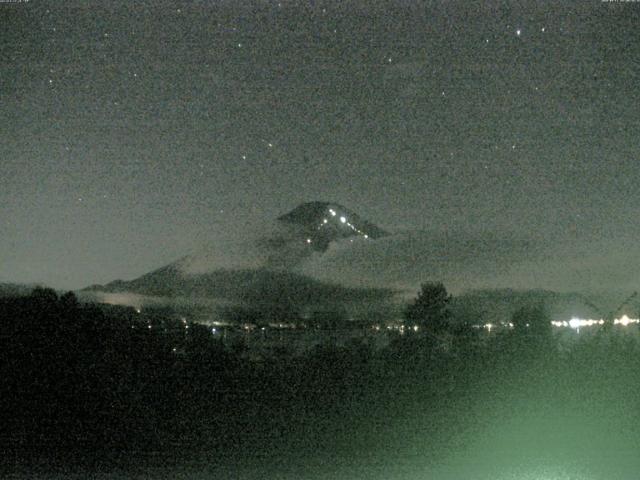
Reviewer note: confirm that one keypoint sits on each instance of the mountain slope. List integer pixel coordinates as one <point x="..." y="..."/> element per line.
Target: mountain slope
<point x="271" y="278"/>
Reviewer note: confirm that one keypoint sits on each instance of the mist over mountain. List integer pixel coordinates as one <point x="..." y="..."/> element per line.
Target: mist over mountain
<point x="252" y="286"/>
<point x="264" y="269"/>
<point x="283" y="243"/>
<point x="324" y="255"/>
<point x="331" y="243"/>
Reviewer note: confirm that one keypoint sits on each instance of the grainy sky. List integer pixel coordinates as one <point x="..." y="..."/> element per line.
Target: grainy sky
<point x="135" y="132"/>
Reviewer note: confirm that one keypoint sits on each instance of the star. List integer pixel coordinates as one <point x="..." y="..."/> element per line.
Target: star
<point x="518" y="32"/>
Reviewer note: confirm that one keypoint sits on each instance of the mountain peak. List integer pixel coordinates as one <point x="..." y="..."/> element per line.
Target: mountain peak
<point x="323" y="222"/>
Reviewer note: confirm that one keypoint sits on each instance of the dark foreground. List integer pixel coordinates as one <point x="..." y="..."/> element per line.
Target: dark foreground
<point x="85" y="395"/>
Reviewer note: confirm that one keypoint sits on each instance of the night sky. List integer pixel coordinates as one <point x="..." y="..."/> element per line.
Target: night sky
<point x="135" y="132"/>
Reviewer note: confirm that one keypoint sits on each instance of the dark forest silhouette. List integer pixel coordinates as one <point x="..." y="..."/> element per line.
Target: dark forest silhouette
<point x="99" y="379"/>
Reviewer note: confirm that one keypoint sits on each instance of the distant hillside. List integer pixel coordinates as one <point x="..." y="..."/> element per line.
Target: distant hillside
<point x="258" y="285"/>
<point x="499" y="305"/>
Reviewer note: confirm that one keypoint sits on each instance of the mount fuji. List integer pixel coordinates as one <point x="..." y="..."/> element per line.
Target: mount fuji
<point x="261" y="270"/>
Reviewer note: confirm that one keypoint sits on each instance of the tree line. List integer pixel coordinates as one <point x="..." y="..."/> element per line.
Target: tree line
<point x="84" y="377"/>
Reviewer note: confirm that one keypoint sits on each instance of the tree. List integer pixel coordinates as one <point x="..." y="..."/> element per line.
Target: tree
<point x="532" y="320"/>
<point x="69" y="302"/>
<point x="44" y="298"/>
<point x="430" y="310"/>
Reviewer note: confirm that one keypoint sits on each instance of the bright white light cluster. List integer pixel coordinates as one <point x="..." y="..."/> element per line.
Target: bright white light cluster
<point x="399" y="328"/>
<point x="624" y="321"/>
<point x="491" y="326"/>
<point x="577" y="323"/>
